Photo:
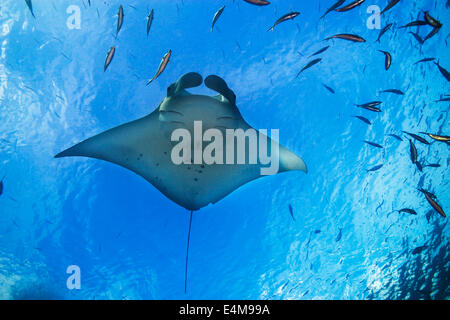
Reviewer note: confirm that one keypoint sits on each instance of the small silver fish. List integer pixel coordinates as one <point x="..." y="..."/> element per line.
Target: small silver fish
<point x="350" y="6"/>
<point x="389" y="6"/>
<point x="120" y="16"/>
<point x="216" y="17"/>
<point x="288" y="16"/>
<point x="320" y="51"/>
<point x="258" y="2"/>
<point x="412" y="151"/>
<point x="373" y="144"/>
<point x="346" y="36"/>
<point x="333" y="7"/>
<point x="387" y="59"/>
<point x="383" y="31"/>
<point x="395" y="91"/>
<point x="309" y="65"/>
<point x="162" y="66"/>
<point x="149" y="21"/>
<point x="109" y="57"/>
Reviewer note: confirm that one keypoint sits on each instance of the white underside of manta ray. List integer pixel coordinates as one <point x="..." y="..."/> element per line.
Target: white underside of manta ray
<point x="144" y="146"/>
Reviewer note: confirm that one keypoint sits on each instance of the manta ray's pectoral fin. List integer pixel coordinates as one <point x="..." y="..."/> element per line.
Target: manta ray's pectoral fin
<point x="189" y="80"/>
<point x="218" y="84"/>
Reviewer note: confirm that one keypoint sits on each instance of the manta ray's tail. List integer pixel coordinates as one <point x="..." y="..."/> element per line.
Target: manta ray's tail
<point x="187" y="255"/>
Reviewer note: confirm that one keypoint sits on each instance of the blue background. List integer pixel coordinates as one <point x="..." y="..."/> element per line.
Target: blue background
<point x="130" y="241"/>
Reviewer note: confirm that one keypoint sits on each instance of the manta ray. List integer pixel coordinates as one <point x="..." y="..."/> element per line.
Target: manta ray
<point x="145" y="146"/>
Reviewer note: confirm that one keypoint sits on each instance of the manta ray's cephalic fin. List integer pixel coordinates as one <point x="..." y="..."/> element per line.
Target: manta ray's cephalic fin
<point x="189" y="80"/>
<point x="216" y="83"/>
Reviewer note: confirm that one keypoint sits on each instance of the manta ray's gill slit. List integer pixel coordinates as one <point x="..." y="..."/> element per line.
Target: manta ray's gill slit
<point x="171" y="111"/>
<point x="177" y="122"/>
<point x="226" y="118"/>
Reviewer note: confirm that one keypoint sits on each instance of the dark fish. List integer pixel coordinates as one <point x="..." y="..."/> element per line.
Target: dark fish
<point x="346" y="36"/>
<point x="89" y="2"/>
<point x="389" y="6"/>
<point x="339" y="236"/>
<point x="396" y="91"/>
<point x="375" y="168"/>
<point x="407" y="210"/>
<point x="417" y="37"/>
<point x="350" y="6"/>
<point x="373" y="144"/>
<point x="288" y="16"/>
<point x="419" y="249"/>
<point x="333" y="7"/>
<point x="109" y="57"/>
<point x="425" y="60"/>
<point x="416" y="23"/>
<point x="395" y="136"/>
<point x="431" y="34"/>
<point x="291" y="211"/>
<point x="309" y="65"/>
<point x="383" y="31"/>
<point x="320" y="51"/>
<point x="363" y="119"/>
<point x="446" y="99"/>
<point x="387" y="59"/>
<point x="1" y="185"/>
<point x="432" y="21"/>
<point x="418" y="138"/>
<point x="30" y="6"/>
<point x="162" y="66"/>
<point x="412" y="151"/>
<point x="433" y="165"/>
<point x="444" y="72"/>
<point x="431" y="195"/>
<point x="217" y="16"/>
<point x="371" y="106"/>
<point x="374" y="109"/>
<point x="119" y="19"/>
<point x="419" y="166"/>
<point x="258" y="2"/>
<point x="433" y="203"/>
<point x="149" y="21"/>
<point x="328" y="88"/>
<point x="437" y="137"/>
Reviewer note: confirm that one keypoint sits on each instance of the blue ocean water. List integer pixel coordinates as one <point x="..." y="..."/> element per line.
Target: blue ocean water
<point x="129" y="240"/>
